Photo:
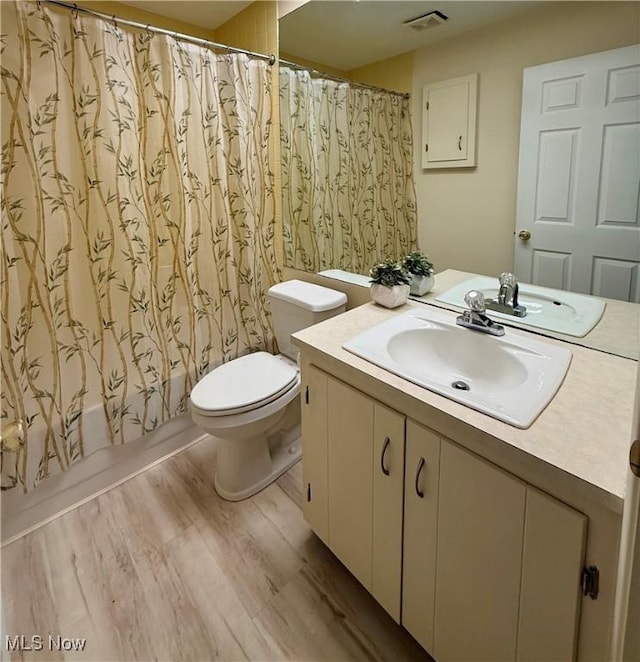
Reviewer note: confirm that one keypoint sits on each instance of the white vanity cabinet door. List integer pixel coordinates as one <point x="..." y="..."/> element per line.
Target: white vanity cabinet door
<point x="353" y="471"/>
<point x="481" y="514"/>
<point x="422" y="469"/>
<point x="550" y="595"/>
<point x="350" y="478"/>
<point x="315" y="504"/>
<point x="388" y="483"/>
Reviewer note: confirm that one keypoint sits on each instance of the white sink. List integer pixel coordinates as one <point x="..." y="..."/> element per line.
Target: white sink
<point x="511" y="378"/>
<point x="554" y="310"/>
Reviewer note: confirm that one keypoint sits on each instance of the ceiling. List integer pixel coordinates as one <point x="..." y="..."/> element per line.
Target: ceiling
<point x="207" y="14"/>
<point x="348" y="35"/>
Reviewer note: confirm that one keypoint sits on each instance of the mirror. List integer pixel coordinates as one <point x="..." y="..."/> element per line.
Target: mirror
<point x="465" y="216"/>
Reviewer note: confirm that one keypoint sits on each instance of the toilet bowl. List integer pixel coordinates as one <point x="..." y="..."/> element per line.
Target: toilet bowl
<point x="252" y="405"/>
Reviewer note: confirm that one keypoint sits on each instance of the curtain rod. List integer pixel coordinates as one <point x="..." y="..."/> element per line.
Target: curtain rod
<point x="150" y="28"/>
<point x="323" y="74"/>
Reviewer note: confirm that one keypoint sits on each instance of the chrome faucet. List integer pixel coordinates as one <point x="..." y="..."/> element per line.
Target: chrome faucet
<point x="476" y="318"/>
<point x="507" y="301"/>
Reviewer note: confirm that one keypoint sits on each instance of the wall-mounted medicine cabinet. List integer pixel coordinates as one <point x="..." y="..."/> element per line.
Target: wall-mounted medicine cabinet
<point x="449" y="123"/>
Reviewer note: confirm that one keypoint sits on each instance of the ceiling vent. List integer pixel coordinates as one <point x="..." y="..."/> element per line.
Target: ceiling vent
<point x="427" y="21"/>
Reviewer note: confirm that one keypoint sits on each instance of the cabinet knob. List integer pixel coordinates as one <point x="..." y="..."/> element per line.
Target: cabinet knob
<point x="524" y="235"/>
<point x="421" y="466"/>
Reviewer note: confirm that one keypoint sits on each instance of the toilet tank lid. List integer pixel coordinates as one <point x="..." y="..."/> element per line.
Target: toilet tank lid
<point x="307" y="295"/>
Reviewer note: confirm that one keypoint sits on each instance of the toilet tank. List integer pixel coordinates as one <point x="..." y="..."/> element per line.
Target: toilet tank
<point x="296" y="304"/>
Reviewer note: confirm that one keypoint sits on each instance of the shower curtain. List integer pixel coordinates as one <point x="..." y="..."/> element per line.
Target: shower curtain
<point x="347" y="174"/>
<point x="137" y="229"/>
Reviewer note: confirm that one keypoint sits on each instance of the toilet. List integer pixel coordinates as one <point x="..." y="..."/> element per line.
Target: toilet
<point x="252" y="404"/>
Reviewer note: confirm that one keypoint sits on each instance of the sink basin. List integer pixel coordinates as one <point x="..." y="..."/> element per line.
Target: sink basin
<point x="554" y="310"/>
<point x="511" y="378"/>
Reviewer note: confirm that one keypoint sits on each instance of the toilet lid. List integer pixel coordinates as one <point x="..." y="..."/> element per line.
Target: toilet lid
<point x="244" y="383"/>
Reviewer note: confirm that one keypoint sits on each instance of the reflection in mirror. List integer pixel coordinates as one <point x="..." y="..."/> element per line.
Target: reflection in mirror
<point x="467" y="217"/>
<point x="617" y="330"/>
<point x="348" y="198"/>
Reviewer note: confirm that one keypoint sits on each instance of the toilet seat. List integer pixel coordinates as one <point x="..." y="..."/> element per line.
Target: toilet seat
<point x="244" y="384"/>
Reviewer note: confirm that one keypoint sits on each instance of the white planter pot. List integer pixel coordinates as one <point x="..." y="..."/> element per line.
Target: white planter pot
<point x="389" y="297"/>
<point x="421" y="284"/>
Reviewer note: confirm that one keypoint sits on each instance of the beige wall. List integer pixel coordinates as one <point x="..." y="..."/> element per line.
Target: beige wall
<point x="466" y="217"/>
<point x="395" y="73"/>
<point x="254" y="28"/>
<point x="318" y="66"/>
<point x="142" y="16"/>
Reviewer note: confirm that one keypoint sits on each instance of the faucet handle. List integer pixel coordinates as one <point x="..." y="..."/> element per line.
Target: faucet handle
<point x="508" y="279"/>
<point x="475" y="301"/>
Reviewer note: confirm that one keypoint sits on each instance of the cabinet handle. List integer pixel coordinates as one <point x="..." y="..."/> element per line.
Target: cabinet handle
<point x="385" y="448"/>
<point x="460" y="143"/>
<point x="421" y="464"/>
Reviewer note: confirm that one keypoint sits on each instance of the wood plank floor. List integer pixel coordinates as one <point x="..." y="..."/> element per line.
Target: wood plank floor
<point x="160" y="568"/>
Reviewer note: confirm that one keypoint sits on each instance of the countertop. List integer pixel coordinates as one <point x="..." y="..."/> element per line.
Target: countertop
<point x="580" y="441"/>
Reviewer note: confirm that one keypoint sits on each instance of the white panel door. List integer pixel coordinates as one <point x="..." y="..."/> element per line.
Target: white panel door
<point x="579" y="175"/>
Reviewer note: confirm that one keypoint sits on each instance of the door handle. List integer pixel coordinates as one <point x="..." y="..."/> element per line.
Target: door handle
<point x="524" y="235"/>
<point x="460" y="143"/>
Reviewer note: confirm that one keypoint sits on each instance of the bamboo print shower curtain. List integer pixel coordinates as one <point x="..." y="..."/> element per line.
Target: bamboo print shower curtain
<point x="137" y="228"/>
<point x="347" y="174"/>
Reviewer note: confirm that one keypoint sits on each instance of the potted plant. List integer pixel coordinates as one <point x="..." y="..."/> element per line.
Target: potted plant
<point x="421" y="272"/>
<point x="389" y="283"/>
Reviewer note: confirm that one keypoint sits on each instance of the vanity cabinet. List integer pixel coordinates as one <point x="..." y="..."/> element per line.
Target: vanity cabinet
<point x="474" y="562"/>
<point x="492" y="566"/>
<point x="353" y="480"/>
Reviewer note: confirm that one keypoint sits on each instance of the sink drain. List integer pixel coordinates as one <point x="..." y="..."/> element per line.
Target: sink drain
<point x="461" y="386"/>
